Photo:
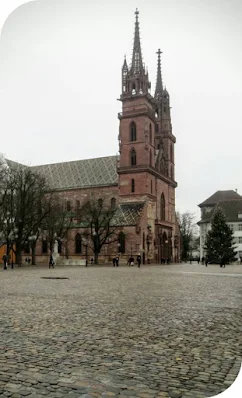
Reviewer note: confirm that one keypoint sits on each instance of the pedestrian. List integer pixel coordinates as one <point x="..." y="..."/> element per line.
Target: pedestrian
<point x="206" y="262"/>
<point x="138" y="260"/>
<point x="51" y="262"/>
<point x="198" y="260"/>
<point x="117" y="260"/>
<point x="132" y="261"/>
<point x="91" y="261"/>
<point x="222" y="263"/>
<point x="202" y="260"/>
<point x="5" y="261"/>
<point x="114" y="261"/>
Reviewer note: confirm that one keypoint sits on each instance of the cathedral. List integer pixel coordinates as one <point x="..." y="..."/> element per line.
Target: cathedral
<point x="139" y="182"/>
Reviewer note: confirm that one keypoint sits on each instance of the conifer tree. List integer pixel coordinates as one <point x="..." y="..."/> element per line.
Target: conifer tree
<point x="219" y="240"/>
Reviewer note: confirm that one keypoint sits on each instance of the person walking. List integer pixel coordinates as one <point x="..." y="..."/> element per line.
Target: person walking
<point x="117" y="261"/>
<point x="114" y="261"/>
<point x="206" y="262"/>
<point x="138" y="260"/>
<point x="5" y="261"/>
<point x="51" y="262"/>
<point x="198" y="260"/>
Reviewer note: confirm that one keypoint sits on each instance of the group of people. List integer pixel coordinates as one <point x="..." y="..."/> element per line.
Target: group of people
<point x="131" y="260"/>
<point x="206" y="261"/>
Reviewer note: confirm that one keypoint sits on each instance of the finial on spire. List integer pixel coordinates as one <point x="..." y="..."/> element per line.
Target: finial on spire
<point x="159" y="84"/>
<point x="137" y="65"/>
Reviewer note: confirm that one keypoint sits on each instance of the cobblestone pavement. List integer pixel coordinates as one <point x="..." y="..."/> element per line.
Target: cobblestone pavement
<point x="158" y="331"/>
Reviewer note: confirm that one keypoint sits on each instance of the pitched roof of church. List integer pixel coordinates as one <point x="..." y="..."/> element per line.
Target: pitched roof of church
<point x="220" y="196"/>
<point x="78" y="173"/>
<point x="128" y="214"/>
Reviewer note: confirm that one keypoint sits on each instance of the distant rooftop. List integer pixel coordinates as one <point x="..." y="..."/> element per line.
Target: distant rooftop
<point x="220" y="196"/>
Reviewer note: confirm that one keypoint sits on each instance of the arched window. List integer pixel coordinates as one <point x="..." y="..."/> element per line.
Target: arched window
<point x="156" y="113"/>
<point x="121" y="241"/>
<point x="132" y="185"/>
<point x="78" y="243"/>
<point x="68" y="205"/>
<point x="162" y="207"/>
<point x="133" y="131"/>
<point x="133" y="157"/>
<point x="100" y="202"/>
<point x="150" y="157"/>
<point x="151" y="187"/>
<point x="172" y="175"/>
<point x="77" y="204"/>
<point x="171" y="153"/>
<point x="113" y="203"/>
<point x="44" y="246"/>
<point x="150" y="134"/>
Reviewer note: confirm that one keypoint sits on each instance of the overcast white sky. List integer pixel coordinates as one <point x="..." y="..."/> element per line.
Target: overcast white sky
<point x="60" y="77"/>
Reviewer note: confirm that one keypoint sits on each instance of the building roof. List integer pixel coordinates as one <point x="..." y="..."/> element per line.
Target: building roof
<point x="77" y="174"/>
<point x="232" y="209"/>
<point x="128" y="214"/>
<point x="220" y="196"/>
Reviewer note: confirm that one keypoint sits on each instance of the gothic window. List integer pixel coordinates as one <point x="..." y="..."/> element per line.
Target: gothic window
<point x="150" y="157"/>
<point x="156" y="128"/>
<point x="78" y="243"/>
<point x="100" y="203"/>
<point x="113" y="203"/>
<point x="78" y="204"/>
<point x="121" y="241"/>
<point x="132" y="185"/>
<point x="133" y="131"/>
<point x="151" y="188"/>
<point x="133" y="157"/>
<point x="68" y="205"/>
<point x="44" y="246"/>
<point x="150" y="134"/>
<point x="171" y="153"/>
<point x="172" y="176"/>
<point x="162" y="207"/>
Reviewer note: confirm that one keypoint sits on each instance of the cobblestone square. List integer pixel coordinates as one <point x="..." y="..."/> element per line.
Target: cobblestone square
<point x="158" y="331"/>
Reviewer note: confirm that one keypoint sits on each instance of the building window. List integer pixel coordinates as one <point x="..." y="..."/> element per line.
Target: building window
<point x="133" y="157"/>
<point x="231" y="226"/>
<point x="113" y="203"/>
<point x="121" y="241"/>
<point x="240" y="239"/>
<point x="151" y="187"/>
<point x="100" y="203"/>
<point x="150" y="157"/>
<point x="171" y="153"/>
<point x="77" y="204"/>
<point x="132" y="185"/>
<point x="165" y="109"/>
<point x="162" y="207"/>
<point x="240" y="227"/>
<point x="26" y="248"/>
<point x="133" y="131"/>
<point x="150" y="134"/>
<point x="78" y="243"/>
<point x="172" y="176"/>
<point x="44" y="246"/>
<point x="68" y="205"/>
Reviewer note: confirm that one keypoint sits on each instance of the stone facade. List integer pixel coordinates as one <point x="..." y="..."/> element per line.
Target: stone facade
<point x="140" y="179"/>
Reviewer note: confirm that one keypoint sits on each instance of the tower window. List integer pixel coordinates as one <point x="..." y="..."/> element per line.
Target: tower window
<point x="172" y="174"/>
<point x="150" y="157"/>
<point x="171" y="153"/>
<point x="165" y="109"/>
<point x="150" y="134"/>
<point x="162" y="207"/>
<point x="133" y="131"/>
<point x="132" y="185"/>
<point x="151" y="187"/>
<point x="133" y="157"/>
<point x="113" y="203"/>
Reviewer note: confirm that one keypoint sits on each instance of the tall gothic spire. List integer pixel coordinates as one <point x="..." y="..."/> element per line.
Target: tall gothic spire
<point x="159" y="85"/>
<point x="137" y="65"/>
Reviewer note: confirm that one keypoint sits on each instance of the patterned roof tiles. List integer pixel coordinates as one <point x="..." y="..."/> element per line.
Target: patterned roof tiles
<point x="128" y="214"/>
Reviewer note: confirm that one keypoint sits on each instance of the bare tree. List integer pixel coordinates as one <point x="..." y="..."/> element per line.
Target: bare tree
<point x="22" y="208"/>
<point x="188" y="230"/>
<point x="98" y="219"/>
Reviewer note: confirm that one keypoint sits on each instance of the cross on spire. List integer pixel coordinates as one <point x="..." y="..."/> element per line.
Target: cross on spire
<point x="159" y="84"/>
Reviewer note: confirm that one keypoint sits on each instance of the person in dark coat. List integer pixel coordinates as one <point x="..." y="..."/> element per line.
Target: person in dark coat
<point x="117" y="261"/>
<point x="51" y="262"/>
<point x="138" y="260"/>
<point x="114" y="261"/>
<point x="206" y="262"/>
<point x="5" y="261"/>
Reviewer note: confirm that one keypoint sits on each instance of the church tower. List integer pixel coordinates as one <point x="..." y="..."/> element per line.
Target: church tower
<point x="146" y="161"/>
<point x="137" y="128"/>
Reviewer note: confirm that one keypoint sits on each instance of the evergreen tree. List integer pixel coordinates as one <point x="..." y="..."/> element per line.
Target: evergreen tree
<point x="219" y="240"/>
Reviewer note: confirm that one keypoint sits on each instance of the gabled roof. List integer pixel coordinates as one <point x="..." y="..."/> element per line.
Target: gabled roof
<point x="77" y="174"/>
<point x="220" y="196"/>
<point x="128" y="214"/>
<point x="231" y="208"/>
